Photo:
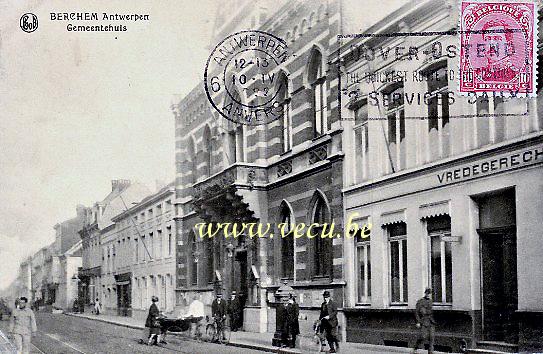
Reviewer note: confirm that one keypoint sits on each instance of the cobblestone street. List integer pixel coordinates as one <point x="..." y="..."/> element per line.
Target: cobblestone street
<point x="60" y="334"/>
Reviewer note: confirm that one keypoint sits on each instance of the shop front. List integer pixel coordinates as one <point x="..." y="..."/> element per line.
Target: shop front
<point x="124" y="294"/>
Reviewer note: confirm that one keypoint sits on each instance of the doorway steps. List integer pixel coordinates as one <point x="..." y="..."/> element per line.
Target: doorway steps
<point x="494" y="348"/>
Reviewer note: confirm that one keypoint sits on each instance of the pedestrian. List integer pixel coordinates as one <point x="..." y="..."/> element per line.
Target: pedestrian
<point x="234" y="309"/>
<point x="97" y="307"/>
<point x="22" y="326"/>
<point x="219" y="311"/>
<point x="293" y="325"/>
<point x="425" y="321"/>
<point x="152" y="323"/>
<point x="328" y="318"/>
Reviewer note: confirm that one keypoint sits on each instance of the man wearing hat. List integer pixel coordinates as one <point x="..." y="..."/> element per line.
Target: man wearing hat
<point x="218" y="312"/>
<point x="328" y="318"/>
<point x="425" y="321"/>
<point x="292" y="325"/>
<point x="235" y="309"/>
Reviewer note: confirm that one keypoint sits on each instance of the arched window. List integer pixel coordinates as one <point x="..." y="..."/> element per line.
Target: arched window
<point x="208" y="258"/>
<point x="317" y="80"/>
<point x="303" y="27"/>
<point x="192" y="161"/>
<point x="208" y="150"/>
<point x="286" y="119"/>
<point x="322" y="247"/>
<point x="287" y="243"/>
<point x="193" y="263"/>
<point x="235" y="135"/>
<point x="240" y="144"/>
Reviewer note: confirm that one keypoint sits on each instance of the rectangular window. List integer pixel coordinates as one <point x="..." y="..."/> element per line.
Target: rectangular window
<point x="438" y="112"/>
<point x="361" y="142"/>
<point x="397" y="239"/>
<point x="159" y="244"/>
<point x="363" y="258"/>
<point x="170" y="240"/>
<point x="440" y="259"/>
<point x="483" y="120"/>
<point x="143" y="249"/>
<point x="151" y="247"/>
<point x="136" y="250"/>
<point x="396" y="129"/>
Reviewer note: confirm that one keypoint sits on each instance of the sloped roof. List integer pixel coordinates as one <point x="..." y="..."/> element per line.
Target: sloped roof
<point x="121" y="201"/>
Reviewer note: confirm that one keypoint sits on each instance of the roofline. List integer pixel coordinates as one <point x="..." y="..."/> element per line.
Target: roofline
<point x="142" y="205"/>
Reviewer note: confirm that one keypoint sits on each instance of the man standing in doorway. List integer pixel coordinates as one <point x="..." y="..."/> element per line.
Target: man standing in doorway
<point x="328" y="318"/>
<point x="235" y="309"/>
<point x="425" y="321"/>
<point x="22" y="326"/>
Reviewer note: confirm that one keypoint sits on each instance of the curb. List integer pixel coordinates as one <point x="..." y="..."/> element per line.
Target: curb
<point x="264" y="348"/>
<point x="105" y="321"/>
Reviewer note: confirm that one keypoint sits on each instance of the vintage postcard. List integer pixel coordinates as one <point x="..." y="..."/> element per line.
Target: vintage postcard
<point x="244" y="176"/>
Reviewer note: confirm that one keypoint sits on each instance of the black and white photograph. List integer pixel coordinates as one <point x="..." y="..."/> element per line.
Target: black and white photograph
<point x="280" y="176"/>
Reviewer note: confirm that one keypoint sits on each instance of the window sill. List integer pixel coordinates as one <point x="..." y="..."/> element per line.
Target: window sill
<point x="398" y="304"/>
<point x="285" y="153"/>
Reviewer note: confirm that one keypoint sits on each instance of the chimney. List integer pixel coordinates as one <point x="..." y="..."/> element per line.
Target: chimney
<point x="119" y="184"/>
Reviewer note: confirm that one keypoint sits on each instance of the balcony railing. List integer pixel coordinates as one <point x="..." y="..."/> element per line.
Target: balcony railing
<point x="246" y="175"/>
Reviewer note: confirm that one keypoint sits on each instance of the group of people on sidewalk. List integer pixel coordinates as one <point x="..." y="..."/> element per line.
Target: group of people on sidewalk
<point x="326" y="326"/>
<point x="233" y="308"/>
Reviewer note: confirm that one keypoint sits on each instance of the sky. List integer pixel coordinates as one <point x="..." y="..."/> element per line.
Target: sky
<point x="78" y="109"/>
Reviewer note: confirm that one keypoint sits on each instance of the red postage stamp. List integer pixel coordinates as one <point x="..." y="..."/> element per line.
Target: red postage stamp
<point x="498" y="43"/>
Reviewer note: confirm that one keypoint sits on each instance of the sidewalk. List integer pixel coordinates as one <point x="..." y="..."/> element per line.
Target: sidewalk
<point x="258" y="341"/>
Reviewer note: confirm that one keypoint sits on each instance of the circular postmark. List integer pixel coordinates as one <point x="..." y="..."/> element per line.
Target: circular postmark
<point x="29" y="22"/>
<point x="242" y="77"/>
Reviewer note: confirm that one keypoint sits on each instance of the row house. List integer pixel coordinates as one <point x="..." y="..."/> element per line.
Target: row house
<point x="287" y="170"/>
<point x="139" y="255"/>
<point x="452" y="188"/>
<point x="97" y="224"/>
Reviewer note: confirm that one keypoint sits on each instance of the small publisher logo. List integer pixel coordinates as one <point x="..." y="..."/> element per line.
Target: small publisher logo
<point x="29" y="22"/>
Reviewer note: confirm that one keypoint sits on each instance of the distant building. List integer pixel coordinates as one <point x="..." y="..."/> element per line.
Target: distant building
<point x="25" y="278"/>
<point x="69" y="262"/>
<point x="98" y="222"/>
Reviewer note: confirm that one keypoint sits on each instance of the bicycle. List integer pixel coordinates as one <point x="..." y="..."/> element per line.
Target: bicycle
<point x="314" y="342"/>
<point x="218" y="331"/>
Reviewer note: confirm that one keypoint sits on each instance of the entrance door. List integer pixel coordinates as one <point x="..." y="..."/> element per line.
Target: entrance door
<point x="499" y="284"/>
<point x="240" y="283"/>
